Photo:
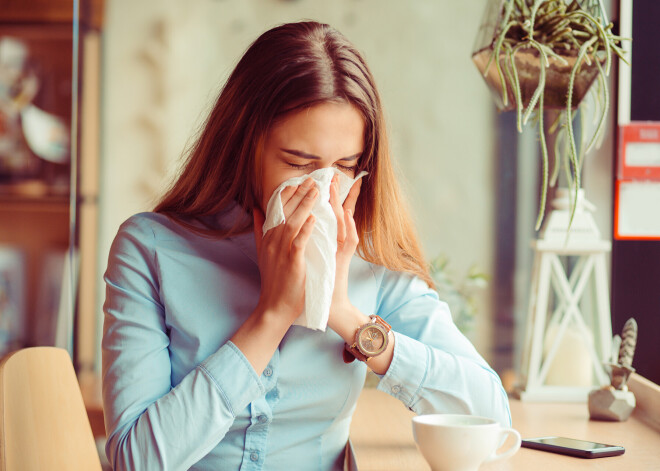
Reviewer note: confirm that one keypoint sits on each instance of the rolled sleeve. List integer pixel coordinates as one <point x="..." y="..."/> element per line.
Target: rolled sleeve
<point x="435" y="368"/>
<point x="407" y="371"/>
<point x="239" y="384"/>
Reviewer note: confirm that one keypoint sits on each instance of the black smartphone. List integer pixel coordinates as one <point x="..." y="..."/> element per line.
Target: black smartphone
<point x="573" y="447"/>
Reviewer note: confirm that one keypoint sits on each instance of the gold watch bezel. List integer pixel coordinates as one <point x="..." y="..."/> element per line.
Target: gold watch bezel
<point x="369" y="326"/>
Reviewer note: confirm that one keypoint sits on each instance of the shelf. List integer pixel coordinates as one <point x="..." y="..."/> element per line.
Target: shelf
<point x="52" y="12"/>
<point x="41" y="204"/>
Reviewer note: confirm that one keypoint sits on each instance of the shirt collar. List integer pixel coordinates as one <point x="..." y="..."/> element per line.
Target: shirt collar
<point x="245" y="241"/>
<point x="247" y="245"/>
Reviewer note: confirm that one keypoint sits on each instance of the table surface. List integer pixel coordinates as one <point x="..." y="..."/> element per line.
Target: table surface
<point x="381" y="434"/>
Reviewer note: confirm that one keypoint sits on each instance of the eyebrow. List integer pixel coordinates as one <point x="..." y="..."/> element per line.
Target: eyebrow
<point x="305" y="155"/>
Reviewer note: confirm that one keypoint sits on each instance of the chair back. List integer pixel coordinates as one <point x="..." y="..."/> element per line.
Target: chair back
<point x="43" y="422"/>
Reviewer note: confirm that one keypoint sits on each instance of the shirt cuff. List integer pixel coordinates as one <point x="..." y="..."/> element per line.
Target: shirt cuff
<point x="407" y="372"/>
<point x="234" y="377"/>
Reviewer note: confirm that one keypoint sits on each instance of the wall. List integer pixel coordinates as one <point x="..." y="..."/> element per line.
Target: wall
<point x="164" y="61"/>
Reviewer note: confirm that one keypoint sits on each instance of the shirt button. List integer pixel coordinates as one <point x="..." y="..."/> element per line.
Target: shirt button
<point x="396" y="389"/>
<point x="262" y="419"/>
<point x="268" y="372"/>
<point x="254" y="456"/>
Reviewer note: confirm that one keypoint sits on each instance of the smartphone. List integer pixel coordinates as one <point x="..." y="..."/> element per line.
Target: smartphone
<point x="573" y="447"/>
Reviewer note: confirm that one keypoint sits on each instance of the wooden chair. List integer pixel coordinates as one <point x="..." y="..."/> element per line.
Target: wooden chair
<point x="43" y="423"/>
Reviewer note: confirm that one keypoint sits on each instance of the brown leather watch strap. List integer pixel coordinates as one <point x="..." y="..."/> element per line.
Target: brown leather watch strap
<point x="381" y="321"/>
<point x="350" y="354"/>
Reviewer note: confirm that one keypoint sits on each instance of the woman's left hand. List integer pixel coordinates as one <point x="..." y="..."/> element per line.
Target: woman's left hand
<point x="345" y="318"/>
<point x="342" y="312"/>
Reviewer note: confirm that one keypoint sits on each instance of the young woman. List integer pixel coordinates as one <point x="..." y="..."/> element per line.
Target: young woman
<point x="202" y="367"/>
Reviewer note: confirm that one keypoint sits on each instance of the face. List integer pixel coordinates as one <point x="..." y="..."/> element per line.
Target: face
<point x="325" y="135"/>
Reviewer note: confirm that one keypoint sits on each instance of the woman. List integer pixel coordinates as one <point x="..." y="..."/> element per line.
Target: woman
<point x="202" y="367"/>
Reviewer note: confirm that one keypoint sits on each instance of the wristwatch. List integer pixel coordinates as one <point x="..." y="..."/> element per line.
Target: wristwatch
<point x="371" y="339"/>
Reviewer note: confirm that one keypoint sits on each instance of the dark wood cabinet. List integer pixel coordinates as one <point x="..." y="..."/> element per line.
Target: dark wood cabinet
<point x="49" y="156"/>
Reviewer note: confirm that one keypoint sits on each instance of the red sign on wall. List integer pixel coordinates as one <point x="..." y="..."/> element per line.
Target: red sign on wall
<point x="639" y="151"/>
<point x="637" y="192"/>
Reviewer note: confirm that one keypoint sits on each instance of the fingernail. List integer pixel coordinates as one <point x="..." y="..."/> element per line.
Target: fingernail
<point x="308" y="183"/>
<point x="313" y="193"/>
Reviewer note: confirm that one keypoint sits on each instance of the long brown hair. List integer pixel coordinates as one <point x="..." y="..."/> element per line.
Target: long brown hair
<point x="290" y="67"/>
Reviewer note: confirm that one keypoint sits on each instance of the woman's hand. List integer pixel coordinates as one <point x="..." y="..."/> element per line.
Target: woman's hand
<point x="282" y="267"/>
<point x="281" y="253"/>
<point x="344" y="318"/>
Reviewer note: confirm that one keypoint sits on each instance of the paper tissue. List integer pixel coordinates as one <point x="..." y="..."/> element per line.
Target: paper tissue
<point x="322" y="246"/>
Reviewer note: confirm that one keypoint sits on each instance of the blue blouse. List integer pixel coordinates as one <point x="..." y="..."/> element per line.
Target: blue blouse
<point x="179" y="395"/>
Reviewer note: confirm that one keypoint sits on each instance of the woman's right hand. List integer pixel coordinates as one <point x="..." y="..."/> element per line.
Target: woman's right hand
<point x="281" y="253"/>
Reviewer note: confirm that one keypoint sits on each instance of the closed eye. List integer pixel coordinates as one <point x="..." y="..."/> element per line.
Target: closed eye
<point x="346" y="168"/>
<point x="299" y="167"/>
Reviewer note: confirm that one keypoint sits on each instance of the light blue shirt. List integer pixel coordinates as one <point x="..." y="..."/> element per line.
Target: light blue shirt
<point x="179" y="395"/>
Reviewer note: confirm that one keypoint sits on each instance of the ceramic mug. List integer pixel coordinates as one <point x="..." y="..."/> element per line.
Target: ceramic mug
<point x="451" y="442"/>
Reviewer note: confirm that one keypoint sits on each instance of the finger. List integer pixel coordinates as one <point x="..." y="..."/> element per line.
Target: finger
<point x="337" y="209"/>
<point x="287" y="193"/>
<point x="274" y="234"/>
<point x="352" y="197"/>
<point x="352" y="238"/>
<point x="295" y="221"/>
<point x="258" y="221"/>
<point x="300" y="241"/>
<point x="298" y="196"/>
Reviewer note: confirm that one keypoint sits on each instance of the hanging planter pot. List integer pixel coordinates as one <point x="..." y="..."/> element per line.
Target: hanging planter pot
<point x="538" y="55"/>
<point x="528" y="66"/>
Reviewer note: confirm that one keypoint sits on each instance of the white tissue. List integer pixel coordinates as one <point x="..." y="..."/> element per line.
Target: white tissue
<point x="321" y="248"/>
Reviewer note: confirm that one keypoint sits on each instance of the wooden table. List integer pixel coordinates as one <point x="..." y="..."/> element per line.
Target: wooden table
<point x="381" y="434"/>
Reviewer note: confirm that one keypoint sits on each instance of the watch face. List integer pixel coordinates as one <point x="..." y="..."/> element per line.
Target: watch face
<point x="372" y="340"/>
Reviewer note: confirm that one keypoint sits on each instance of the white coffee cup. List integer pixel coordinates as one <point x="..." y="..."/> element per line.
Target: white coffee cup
<point x="451" y="442"/>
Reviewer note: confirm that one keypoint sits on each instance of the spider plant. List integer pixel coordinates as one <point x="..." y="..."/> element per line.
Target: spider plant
<point x="545" y="54"/>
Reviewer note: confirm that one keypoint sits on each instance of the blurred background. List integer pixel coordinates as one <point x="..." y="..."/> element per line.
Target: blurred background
<point x="164" y="64"/>
<point x="101" y="97"/>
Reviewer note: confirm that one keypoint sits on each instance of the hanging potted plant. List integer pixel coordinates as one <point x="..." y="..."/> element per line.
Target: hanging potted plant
<point x="538" y="55"/>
